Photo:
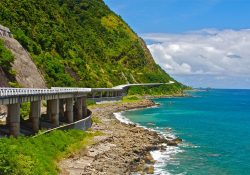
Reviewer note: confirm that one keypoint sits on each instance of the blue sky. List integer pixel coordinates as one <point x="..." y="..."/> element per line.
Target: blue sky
<point x="199" y="42"/>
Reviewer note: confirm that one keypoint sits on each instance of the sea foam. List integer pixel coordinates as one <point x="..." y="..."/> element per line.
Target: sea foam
<point x="122" y="118"/>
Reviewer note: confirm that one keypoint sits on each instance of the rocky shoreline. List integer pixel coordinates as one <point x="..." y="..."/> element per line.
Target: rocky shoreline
<point x="121" y="149"/>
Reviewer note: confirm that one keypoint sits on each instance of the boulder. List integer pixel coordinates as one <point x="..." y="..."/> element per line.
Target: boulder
<point x="177" y="140"/>
<point x="171" y="143"/>
<point x="149" y="159"/>
<point x="149" y="170"/>
<point x="174" y="142"/>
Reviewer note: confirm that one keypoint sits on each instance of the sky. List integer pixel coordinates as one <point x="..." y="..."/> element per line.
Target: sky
<point x="201" y="43"/>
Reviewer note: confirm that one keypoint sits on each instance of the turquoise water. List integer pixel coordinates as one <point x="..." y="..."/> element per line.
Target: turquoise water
<point x="215" y="126"/>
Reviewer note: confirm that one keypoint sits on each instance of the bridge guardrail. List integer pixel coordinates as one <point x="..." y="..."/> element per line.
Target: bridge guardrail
<point x="82" y="124"/>
<point x="6" y="92"/>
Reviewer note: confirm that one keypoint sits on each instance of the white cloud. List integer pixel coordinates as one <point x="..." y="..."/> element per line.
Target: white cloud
<point x="208" y="52"/>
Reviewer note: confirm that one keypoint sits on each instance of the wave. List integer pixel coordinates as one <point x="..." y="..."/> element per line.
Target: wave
<point x="122" y="118"/>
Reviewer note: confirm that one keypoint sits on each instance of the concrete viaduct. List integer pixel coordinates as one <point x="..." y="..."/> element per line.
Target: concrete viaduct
<point x="66" y="107"/>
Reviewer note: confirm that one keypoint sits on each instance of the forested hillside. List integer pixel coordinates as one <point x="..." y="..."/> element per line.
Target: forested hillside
<point x="80" y="43"/>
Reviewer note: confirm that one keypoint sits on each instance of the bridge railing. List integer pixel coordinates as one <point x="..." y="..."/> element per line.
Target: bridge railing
<point x="5" y="92"/>
<point x="82" y="124"/>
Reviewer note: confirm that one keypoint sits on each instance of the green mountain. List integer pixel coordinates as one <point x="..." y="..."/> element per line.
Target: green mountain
<point x="80" y="43"/>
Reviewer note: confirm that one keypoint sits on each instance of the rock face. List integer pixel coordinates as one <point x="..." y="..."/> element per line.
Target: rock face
<point x="3" y="79"/>
<point x="4" y="31"/>
<point x="123" y="149"/>
<point x="27" y="74"/>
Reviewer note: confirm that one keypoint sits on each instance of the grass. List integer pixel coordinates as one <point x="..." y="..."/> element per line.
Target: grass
<point x="131" y="98"/>
<point x="90" y="102"/>
<point x="96" y="120"/>
<point x="39" y="155"/>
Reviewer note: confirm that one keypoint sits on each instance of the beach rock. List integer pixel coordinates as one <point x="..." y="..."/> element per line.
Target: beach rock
<point x="149" y="170"/>
<point x="177" y="140"/>
<point x="168" y="129"/>
<point x="132" y="125"/>
<point x="171" y="143"/>
<point x="174" y="142"/>
<point x="163" y="140"/>
<point x="149" y="159"/>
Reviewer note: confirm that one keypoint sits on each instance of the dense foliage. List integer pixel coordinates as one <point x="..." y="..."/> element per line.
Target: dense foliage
<point x="28" y="156"/>
<point x="80" y="43"/>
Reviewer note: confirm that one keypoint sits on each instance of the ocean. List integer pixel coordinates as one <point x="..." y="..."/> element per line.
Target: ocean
<point x="215" y="127"/>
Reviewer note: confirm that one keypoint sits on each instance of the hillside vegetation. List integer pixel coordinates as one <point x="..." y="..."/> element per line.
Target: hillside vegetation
<point x="80" y="43"/>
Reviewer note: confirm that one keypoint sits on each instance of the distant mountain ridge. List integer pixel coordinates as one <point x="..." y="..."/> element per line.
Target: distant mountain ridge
<point x="80" y="43"/>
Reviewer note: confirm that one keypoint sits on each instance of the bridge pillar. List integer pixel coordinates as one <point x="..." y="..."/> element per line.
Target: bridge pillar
<point x="49" y="109"/>
<point x="61" y="108"/>
<point x="14" y="119"/>
<point x="84" y="107"/>
<point x="100" y="94"/>
<point x="69" y="110"/>
<point x="54" y="105"/>
<point x="79" y="108"/>
<point x="35" y="108"/>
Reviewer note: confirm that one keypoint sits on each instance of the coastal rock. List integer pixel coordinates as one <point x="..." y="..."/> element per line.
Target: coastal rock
<point x="177" y="140"/>
<point x="174" y="142"/>
<point x="132" y="125"/>
<point x="171" y="143"/>
<point x="149" y="159"/>
<point x="149" y="170"/>
<point x="163" y="140"/>
<point x="168" y="129"/>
